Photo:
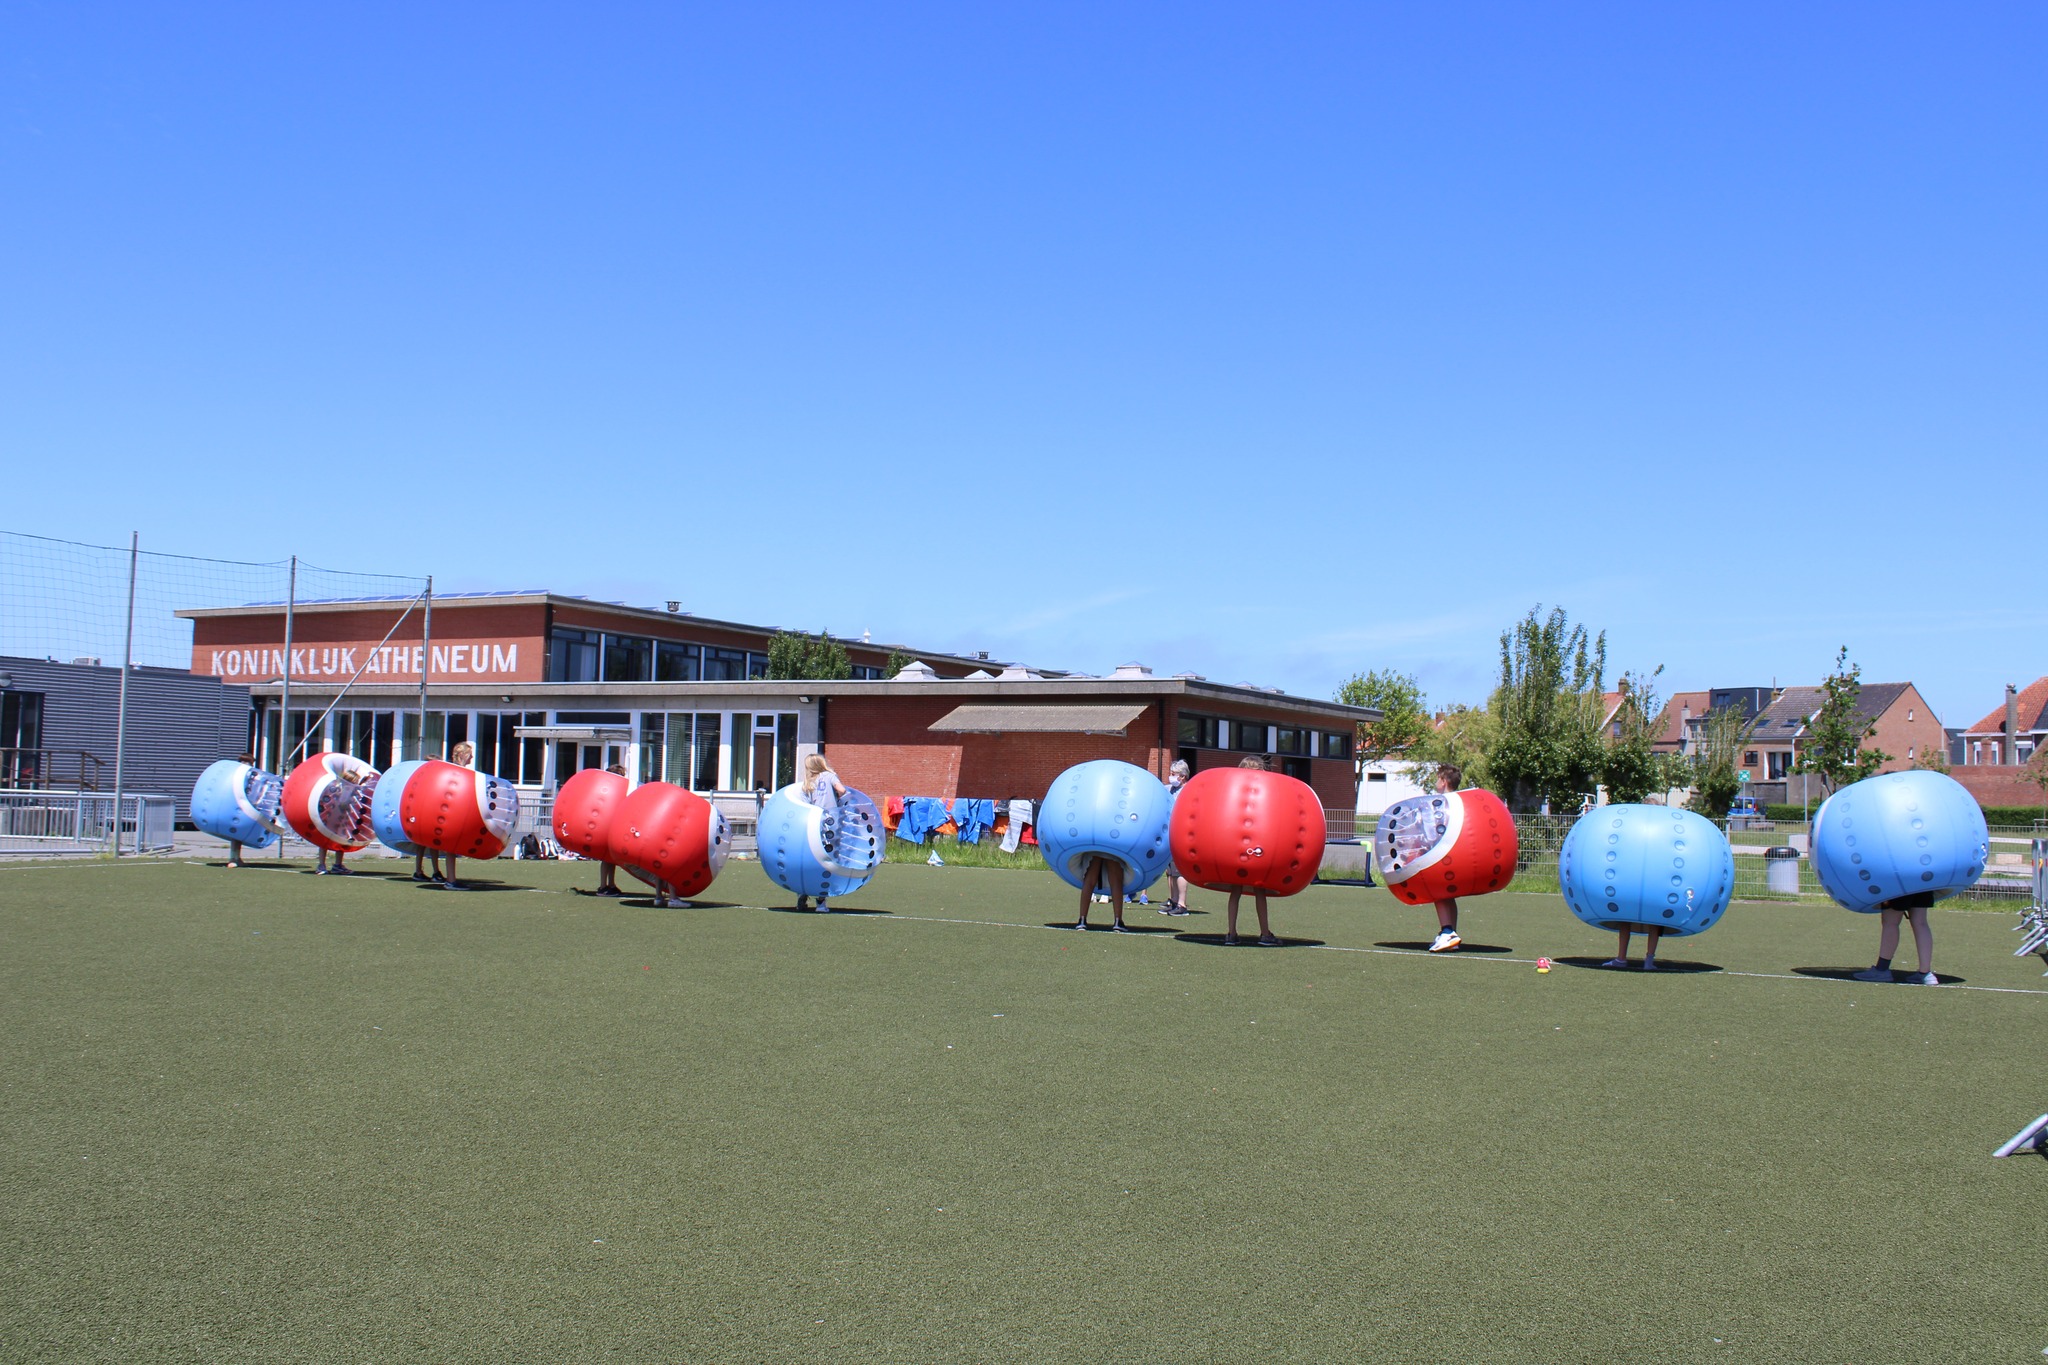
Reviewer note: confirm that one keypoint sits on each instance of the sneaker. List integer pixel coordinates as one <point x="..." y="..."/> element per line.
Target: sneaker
<point x="823" y="908"/>
<point x="1080" y="926"/>
<point x="1615" y="962"/>
<point x="1177" y="910"/>
<point x="1268" y="941"/>
<point x="1872" y="974"/>
<point x="1143" y="899"/>
<point x="1447" y="941"/>
<point x="607" y="891"/>
<point x="1122" y="928"/>
<point x="1924" y="979"/>
<point x="1230" y="940"/>
<point x="803" y="902"/>
<point x="1649" y="964"/>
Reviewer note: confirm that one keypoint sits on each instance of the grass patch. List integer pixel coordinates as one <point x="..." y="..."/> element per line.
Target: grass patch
<point x="987" y="853"/>
<point x="255" y="1116"/>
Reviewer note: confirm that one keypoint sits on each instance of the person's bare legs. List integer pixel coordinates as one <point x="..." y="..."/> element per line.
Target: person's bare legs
<point x="1090" y="879"/>
<point x="1115" y="868"/>
<point x="1230" y="919"/>
<point x="1446" y="926"/>
<point x="449" y="881"/>
<point x="1265" y="926"/>
<point x="1923" y="938"/>
<point x="1650" y="937"/>
<point x="1620" y="958"/>
<point x="1888" y="934"/>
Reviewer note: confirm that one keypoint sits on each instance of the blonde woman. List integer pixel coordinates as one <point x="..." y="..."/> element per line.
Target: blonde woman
<point x="1176" y="885"/>
<point x="822" y="788"/>
<point x="463" y="756"/>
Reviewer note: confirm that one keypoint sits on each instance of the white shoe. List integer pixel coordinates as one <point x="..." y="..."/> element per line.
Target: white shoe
<point x="1615" y="962"/>
<point x="1649" y="964"/>
<point x="1925" y="979"/>
<point x="823" y="908"/>
<point x="1447" y="941"/>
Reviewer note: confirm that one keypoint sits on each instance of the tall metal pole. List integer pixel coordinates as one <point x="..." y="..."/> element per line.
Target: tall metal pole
<point x="121" y="708"/>
<point x="426" y="659"/>
<point x="284" y="703"/>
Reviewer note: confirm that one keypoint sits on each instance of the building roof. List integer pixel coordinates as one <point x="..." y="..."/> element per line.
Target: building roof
<point x="1190" y="691"/>
<point x="1670" y="726"/>
<point x="2031" y="706"/>
<point x="1786" y="718"/>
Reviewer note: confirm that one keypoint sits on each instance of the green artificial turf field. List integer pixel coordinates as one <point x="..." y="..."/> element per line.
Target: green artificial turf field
<point x="261" y="1116"/>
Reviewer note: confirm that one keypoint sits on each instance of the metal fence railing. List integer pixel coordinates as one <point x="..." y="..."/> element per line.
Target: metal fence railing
<point x="59" y="824"/>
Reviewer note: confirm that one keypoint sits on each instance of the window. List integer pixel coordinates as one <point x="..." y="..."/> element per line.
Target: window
<point x="1249" y="736"/>
<point x="1749" y="759"/>
<point x="1375" y="777"/>
<point x="863" y="671"/>
<point x="724" y="665"/>
<point x="1339" y="746"/>
<point x="1290" y="739"/>
<point x="1909" y="752"/>
<point x="1201" y="732"/>
<point x="1909" y="713"/>
<point x="678" y="663"/>
<point x="690" y="752"/>
<point x="757" y="665"/>
<point x="1780" y="764"/>
<point x="1295" y="768"/>
<point x="21" y="720"/>
<point x="572" y="655"/>
<point x="628" y="658"/>
<point x="500" y="751"/>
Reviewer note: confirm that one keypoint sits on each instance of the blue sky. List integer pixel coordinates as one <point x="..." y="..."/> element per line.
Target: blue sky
<point x="1268" y="342"/>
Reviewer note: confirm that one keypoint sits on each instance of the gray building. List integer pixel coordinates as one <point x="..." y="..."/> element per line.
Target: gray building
<point x="57" y="725"/>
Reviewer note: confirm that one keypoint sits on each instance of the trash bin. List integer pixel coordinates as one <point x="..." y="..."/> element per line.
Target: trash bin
<point x="1781" y="870"/>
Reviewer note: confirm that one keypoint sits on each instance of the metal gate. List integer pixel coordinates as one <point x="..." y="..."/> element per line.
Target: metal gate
<point x="57" y="824"/>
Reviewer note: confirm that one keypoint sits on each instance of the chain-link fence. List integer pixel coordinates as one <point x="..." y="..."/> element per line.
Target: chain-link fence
<point x="122" y="670"/>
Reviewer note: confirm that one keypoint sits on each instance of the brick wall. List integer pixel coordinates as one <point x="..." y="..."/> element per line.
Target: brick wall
<point x="1897" y="735"/>
<point x="2002" y="784"/>
<point x="885" y="747"/>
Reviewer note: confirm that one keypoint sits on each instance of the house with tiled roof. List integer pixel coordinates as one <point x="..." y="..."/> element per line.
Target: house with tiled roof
<point x="1985" y="742"/>
<point x="1678" y="726"/>
<point x="1906" y="730"/>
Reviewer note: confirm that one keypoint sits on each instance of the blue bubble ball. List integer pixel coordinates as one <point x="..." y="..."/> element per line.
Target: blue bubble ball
<point x="1652" y="867"/>
<point x="1898" y="834"/>
<point x="1106" y="808"/>
<point x="384" y="803"/>
<point x="814" y="852"/>
<point x="238" y="802"/>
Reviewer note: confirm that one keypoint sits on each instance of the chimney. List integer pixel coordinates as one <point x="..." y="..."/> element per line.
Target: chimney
<point x="2012" y="724"/>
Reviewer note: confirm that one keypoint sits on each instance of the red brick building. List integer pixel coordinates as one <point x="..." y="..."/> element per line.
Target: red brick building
<point x="542" y="685"/>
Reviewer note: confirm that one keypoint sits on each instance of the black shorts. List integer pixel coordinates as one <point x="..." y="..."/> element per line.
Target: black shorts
<point x="1919" y="900"/>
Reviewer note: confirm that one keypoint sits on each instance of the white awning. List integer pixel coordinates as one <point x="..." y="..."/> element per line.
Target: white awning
<point x="576" y="732"/>
<point x="1058" y="719"/>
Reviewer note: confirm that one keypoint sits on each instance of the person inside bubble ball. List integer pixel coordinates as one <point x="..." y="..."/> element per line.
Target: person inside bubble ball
<point x="1267" y="939"/>
<point x="1176" y="885"/>
<point x="1651" y="933"/>
<point x="608" y="873"/>
<point x="1913" y="908"/>
<point x="1108" y="874"/>
<point x="822" y="788"/>
<point x="1448" y="777"/>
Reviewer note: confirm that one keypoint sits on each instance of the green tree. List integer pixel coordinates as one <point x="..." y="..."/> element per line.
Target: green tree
<point x="1464" y="737"/>
<point x="1834" y="737"/>
<point x="1548" y="708"/>
<point x="1633" y="768"/>
<point x="807" y="656"/>
<point x="898" y="661"/>
<point x="1716" y="778"/>
<point x="1404" y="713"/>
<point x="1934" y="758"/>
